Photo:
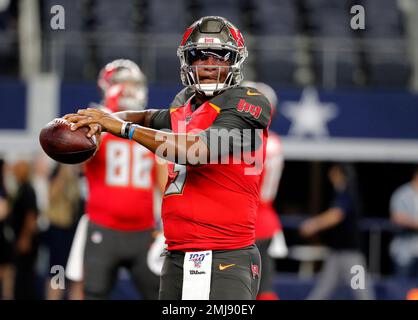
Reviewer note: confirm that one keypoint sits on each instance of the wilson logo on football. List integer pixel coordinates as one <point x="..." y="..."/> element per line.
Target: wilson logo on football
<point x="244" y="106"/>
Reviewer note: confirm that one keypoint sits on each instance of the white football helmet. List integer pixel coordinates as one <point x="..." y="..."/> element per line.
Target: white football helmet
<point x="120" y="71"/>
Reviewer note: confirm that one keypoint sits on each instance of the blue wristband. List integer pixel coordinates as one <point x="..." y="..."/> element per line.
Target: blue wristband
<point x="132" y="131"/>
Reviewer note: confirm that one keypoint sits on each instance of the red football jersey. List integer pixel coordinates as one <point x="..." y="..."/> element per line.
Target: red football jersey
<point x="121" y="185"/>
<point x="213" y="206"/>
<point x="268" y="222"/>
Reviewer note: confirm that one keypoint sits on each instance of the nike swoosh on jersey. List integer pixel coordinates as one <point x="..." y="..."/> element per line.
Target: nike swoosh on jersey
<point x="251" y="93"/>
<point x="222" y="267"/>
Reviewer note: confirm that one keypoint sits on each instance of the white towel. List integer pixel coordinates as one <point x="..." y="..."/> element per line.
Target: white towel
<point x="154" y="259"/>
<point x="197" y="269"/>
<point x="74" y="269"/>
<point x="278" y="247"/>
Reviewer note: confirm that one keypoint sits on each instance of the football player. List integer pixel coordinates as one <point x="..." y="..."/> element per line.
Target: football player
<point x="121" y="179"/>
<point x="210" y="202"/>
<point x="269" y="234"/>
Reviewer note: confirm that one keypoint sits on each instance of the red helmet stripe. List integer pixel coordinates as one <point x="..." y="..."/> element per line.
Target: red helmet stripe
<point x="186" y="36"/>
<point x="236" y="34"/>
<point x="108" y="74"/>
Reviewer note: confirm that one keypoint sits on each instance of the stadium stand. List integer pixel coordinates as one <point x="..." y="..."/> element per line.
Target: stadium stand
<point x="276" y="24"/>
<point x="165" y="27"/>
<point x="335" y="59"/>
<point x="384" y="21"/>
<point x="67" y="51"/>
<point x="8" y="35"/>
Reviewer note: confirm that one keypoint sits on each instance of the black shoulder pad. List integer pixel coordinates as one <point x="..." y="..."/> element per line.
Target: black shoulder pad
<point x="248" y="103"/>
<point x="182" y="97"/>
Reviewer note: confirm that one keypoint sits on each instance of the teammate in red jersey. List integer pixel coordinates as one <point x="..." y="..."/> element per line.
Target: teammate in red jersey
<point x="217" y="148"/>
<point x="121" y="178"/>
<point x="268" y="230"/>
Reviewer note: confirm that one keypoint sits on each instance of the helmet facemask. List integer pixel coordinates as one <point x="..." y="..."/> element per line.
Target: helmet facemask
<point x="133" y="97"/>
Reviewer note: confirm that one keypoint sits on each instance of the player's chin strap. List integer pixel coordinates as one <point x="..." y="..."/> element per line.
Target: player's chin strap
<point x="209" y="88"/>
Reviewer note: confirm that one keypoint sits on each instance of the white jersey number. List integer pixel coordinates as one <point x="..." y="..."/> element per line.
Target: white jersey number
<point x="120" y="172"/>
<point x="176" y="187"/>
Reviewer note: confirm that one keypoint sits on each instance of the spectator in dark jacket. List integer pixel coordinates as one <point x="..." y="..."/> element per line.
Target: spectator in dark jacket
<point x="6" y="271"/>
<point x="23" y="222"/>
<point x="338" y="225"/>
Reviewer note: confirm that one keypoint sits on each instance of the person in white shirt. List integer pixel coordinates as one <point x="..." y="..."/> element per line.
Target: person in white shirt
<point x="404" y="213"/>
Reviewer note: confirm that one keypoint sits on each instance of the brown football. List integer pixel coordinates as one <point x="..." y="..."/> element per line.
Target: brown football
<point x="64" y="145"/>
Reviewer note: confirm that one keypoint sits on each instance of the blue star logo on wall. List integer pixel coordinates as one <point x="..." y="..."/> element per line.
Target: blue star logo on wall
<point x="309" y="116"/>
